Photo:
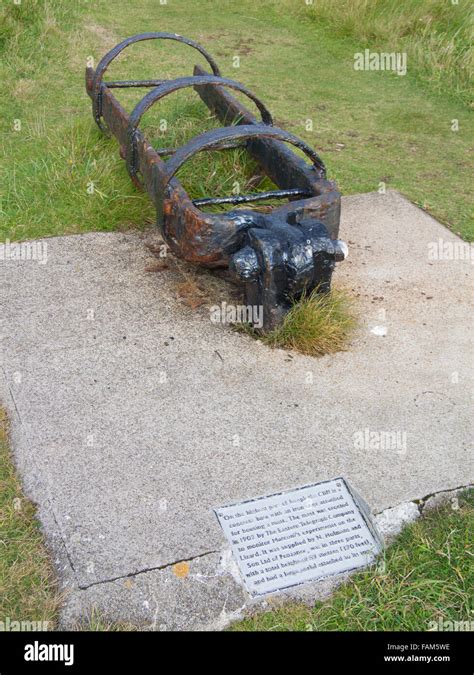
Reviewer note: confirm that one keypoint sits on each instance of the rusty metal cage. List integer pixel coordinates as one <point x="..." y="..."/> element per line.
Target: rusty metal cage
<point x="275" y="255"/>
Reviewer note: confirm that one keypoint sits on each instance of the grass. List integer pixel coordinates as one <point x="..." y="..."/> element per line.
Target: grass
<point x="317" y="324"/>
<point x="426" y="577"/>
<point x="28" y="589"/>
<point x="370" y="127"/>
<point x="436" y="35"/>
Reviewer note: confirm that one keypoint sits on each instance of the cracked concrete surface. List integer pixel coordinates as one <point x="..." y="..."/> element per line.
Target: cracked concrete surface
<point x="133" y="415"/>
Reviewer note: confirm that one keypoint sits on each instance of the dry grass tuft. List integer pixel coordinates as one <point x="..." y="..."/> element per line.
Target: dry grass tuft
<point x="317" y="324"/>
<point x="97" y="622"/>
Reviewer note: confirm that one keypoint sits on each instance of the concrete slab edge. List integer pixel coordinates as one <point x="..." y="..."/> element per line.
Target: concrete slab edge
<point x="218" y="569"/>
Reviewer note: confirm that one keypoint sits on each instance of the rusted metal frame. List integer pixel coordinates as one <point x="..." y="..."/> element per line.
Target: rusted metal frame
<point x="279" y="256"/>
<point x="218" y="138"/>
<point x="296" y="246"/>
<point x="274" y="255"/>
<point x="171" y="86"/>
<point x="99" y="86"/>
<point x="220" y="240"/>
<point x="277" y="160"/>
<point x="167" y="88"/>
<point x="204" y="238"/>
<point x="214" y="137"/>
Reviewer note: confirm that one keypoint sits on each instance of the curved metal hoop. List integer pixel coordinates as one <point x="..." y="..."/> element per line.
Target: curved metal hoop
<point x="193" y="81"/>
<point x="215" y="137"/>
<point x="113" y="53"/>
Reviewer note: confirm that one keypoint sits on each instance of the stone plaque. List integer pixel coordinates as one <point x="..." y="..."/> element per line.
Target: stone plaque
<point x="299" y="535"/>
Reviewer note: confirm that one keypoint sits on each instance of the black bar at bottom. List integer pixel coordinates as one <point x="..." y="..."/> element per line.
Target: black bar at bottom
<point x="405" y="652"/>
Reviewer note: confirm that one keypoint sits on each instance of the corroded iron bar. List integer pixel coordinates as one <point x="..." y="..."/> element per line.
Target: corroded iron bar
<point x="212" y="138"/>
<point x="246" y="199"/>
<point x="276" y="159"/>
<point x="126" y="84"/>
<point x="168" y="88"/>
<point x="105" y="62"/>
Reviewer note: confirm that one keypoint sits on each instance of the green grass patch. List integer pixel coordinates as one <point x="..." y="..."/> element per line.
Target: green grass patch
<point x="317" y="324"/>
<point x="28" y="589"/>
<point x="436" y="35"/>
<point x="425" y="576"/>
<point x="369" y="127"/>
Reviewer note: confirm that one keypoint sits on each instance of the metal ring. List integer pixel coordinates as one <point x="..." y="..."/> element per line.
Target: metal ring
<point x="175" y="85"/>
<point x="248" y="131"/>
<point x="110" y="56"/>
<point x="166" y="88"/>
